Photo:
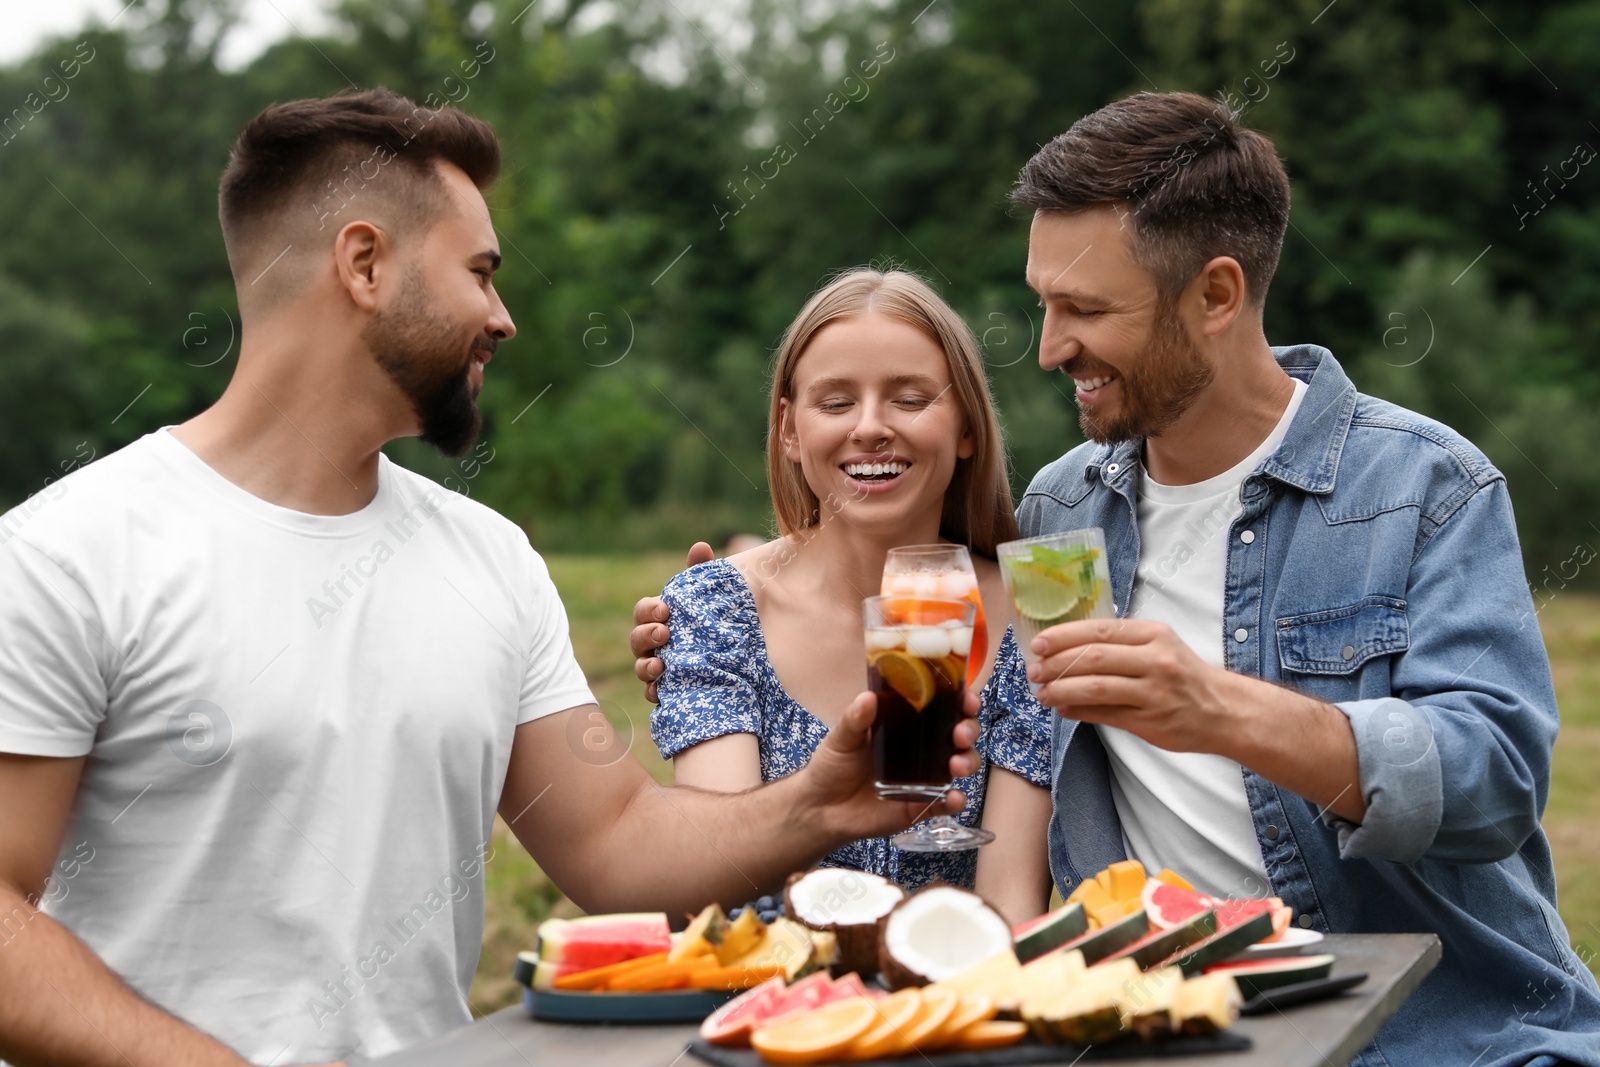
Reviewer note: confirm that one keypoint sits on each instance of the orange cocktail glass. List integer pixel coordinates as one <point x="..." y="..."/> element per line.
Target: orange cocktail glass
<point x="940" y="572"/>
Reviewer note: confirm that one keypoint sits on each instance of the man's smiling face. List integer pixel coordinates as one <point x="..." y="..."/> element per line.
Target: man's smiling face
<point x="1134" y="363"/>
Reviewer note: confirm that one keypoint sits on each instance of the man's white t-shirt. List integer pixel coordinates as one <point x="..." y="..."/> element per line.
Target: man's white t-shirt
<point x="1189" y="810"/>
<point x="297" y="729"/>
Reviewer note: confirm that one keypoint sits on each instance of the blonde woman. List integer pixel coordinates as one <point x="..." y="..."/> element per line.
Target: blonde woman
<point x="882" y="433"/>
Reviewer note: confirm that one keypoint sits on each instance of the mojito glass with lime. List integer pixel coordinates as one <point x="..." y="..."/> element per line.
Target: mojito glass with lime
<point x="1054" y="579"/>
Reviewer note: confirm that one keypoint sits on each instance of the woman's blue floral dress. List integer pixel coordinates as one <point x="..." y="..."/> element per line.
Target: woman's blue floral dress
<point x="718" y="680"/>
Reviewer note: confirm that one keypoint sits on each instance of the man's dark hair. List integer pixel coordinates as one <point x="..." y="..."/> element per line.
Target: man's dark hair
<point x="296" y="167"/>
<point x="1190" y="182"/>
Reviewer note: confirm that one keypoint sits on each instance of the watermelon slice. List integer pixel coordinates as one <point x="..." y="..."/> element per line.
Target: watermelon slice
<point x="1168" y="905"/>
<point x="1254" y="976"/>
<point x="1096" y="945"/>
<point x="1160" y="944"/>
<point x="732" y="1024"/>
<point x="1232" y="912"/>
<point x="598" y="940"/>
<point x="1228" y="941"/>
<point x="1051" y="930"/>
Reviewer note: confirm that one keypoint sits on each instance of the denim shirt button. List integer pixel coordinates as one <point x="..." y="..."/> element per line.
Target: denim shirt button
<point x="1305" y="921"/>
<point x="1241" y="635"/>
<point x="1112" y="468"/>
<point x="1248" y="537"/>
<point x="1348" y="652"/>
<point x="1272" y="833"/>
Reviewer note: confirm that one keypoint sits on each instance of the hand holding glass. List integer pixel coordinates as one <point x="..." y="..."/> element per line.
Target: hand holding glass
<point x="917" y="652"/>
<point x="1054" y="579"/>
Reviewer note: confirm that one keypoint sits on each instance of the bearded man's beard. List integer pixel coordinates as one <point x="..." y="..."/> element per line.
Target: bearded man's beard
<point x="1157" y="390"/>
<point x="427" y="357"/>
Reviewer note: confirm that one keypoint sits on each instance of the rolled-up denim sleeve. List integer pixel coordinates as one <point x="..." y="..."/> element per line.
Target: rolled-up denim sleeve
<point x="1455" y="766"/>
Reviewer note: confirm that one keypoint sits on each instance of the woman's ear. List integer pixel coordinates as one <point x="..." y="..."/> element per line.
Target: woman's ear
<point x="966" y="447"/>
<point x="786" y="430"/>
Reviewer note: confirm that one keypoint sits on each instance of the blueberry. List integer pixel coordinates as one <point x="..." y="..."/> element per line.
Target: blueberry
<point x="765" y="903"/>
<point x="735" y="913"/>
<point x="769" y="916"/>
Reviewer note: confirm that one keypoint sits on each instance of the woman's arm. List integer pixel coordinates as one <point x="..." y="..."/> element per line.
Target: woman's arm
<point x="1014" y="868"/>
<point x="727" y="764"/>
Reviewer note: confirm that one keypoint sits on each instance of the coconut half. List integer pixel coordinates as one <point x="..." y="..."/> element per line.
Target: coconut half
<point x="846" y="903"/>
<point x="936" y="933"/>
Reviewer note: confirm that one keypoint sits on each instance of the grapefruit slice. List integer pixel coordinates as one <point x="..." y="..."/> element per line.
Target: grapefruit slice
<point x="731" y="1024"/>
<point x="817" y="1035"/>
<point x="809" y="992"/>
<point x="1169" y="905"/>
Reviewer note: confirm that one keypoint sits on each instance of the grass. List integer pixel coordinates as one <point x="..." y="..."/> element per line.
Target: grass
<point x="600" y="591"/>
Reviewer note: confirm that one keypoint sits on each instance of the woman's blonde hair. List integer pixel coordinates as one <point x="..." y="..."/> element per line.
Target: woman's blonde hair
<point x="977" y="505"/>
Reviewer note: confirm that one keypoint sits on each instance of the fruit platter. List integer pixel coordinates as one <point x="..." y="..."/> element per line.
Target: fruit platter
<point x="850" y="968"/>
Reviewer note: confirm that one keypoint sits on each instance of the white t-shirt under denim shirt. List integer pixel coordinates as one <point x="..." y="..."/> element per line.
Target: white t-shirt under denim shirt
<point x="1189" y="810"/>
<point x="297" y="729"/>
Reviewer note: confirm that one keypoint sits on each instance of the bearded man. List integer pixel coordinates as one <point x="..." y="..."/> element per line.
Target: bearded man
<point x="262" y="690"/>
<point x="1320" y="686"/>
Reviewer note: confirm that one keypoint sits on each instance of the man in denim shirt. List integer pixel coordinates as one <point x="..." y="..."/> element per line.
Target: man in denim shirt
<point x="1325" y="684"/>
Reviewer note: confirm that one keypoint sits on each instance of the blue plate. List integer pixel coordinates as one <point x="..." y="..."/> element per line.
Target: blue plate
<point x="672" y="1006"/>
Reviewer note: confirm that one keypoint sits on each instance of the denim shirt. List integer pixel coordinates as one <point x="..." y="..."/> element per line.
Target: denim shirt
<point x="1375" y="566"/>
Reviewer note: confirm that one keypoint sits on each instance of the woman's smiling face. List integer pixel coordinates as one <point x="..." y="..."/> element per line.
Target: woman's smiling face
<point x="874" y="423"/>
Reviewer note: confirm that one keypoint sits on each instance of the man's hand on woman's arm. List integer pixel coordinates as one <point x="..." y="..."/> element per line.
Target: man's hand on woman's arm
<point x="650" y="629"/>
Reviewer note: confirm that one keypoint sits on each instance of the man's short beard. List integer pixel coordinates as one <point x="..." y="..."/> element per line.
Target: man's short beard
<point x="419" y="349"/>
<point x="1163" y="385"/>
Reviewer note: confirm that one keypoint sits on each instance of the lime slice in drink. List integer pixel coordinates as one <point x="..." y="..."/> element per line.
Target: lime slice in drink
<point x="1040" y="596"/>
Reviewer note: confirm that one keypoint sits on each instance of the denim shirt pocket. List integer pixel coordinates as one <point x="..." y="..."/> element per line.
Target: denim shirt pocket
<point x="1339" y="641"/>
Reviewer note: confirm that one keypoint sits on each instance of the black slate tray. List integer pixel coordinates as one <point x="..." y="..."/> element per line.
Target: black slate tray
<point x="1028" y="1052"/>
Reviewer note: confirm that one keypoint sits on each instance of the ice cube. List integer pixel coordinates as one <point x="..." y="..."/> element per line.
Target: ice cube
<point x="955" y="585"/>
<point x="927" y="586"/>
<point x="885" y="639"/>
<point x="930" y="642"/>
<point x="961" y="640"/>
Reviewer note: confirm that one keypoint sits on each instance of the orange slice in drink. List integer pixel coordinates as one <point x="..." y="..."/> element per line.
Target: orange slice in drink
<point x="994" y="1033"/>
<point x="816" y="1035"/>
<point x="907" y="675"/>
<point x="887" y="1038"/>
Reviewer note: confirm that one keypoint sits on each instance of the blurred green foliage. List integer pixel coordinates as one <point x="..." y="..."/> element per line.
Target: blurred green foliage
<point x="672" y="196"/>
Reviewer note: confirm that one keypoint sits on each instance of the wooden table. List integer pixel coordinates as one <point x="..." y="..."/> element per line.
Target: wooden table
<point x="1326" y="1033"/>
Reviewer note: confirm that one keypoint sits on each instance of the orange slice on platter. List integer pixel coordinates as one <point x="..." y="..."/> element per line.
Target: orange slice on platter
<point x="994" y="1033"/>
<point x="886" y="1039"/>
<point x="969" y="1012"/>
<point x="937" y="1007"/>
<point x="907" y="675"/>
<point x="816" y="1035"/>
